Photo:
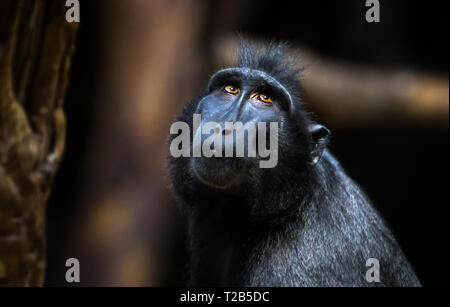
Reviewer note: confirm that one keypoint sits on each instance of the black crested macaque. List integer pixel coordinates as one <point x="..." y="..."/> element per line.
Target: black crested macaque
<point x="303" y="222"/>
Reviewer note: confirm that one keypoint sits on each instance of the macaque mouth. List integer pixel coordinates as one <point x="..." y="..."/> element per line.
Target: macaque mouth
<point x="217" y="173"/>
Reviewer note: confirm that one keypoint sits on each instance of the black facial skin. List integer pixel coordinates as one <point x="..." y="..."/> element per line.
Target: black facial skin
<point x="302" y="223"/>
<point x="244" y="106"/>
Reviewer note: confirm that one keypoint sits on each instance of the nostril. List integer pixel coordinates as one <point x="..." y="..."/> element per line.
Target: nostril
<point x="226" y="131"/>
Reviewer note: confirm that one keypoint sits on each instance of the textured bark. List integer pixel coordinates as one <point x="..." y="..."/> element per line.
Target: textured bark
<point x="36" y="46"/>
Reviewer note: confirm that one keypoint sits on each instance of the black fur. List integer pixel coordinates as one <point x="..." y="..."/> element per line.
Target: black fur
<point x="299" y="224"/>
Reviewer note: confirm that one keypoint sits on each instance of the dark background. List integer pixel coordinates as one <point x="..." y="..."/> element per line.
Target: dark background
<point x="402" y="166"/>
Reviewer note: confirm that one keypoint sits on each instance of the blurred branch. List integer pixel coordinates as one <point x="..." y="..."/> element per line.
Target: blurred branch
<point x="36" y="46"/>
<point x="346" y="95"/>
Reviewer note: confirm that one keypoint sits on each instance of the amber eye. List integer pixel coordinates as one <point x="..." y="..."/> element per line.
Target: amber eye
<point x="264" y="98"/>
<point x="231" y="89"/>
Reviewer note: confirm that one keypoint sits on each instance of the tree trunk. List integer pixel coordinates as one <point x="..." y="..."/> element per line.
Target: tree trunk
<point x="36" y="46"/>
<point x="151" y="66"/>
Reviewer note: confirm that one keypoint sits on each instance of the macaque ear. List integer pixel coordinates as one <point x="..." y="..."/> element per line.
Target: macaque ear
<point x="319" y="135"/>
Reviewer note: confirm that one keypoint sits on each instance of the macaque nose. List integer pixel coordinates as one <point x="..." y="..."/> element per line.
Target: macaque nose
<point x="221" y="130"/>
<point x="227" y="131"/>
